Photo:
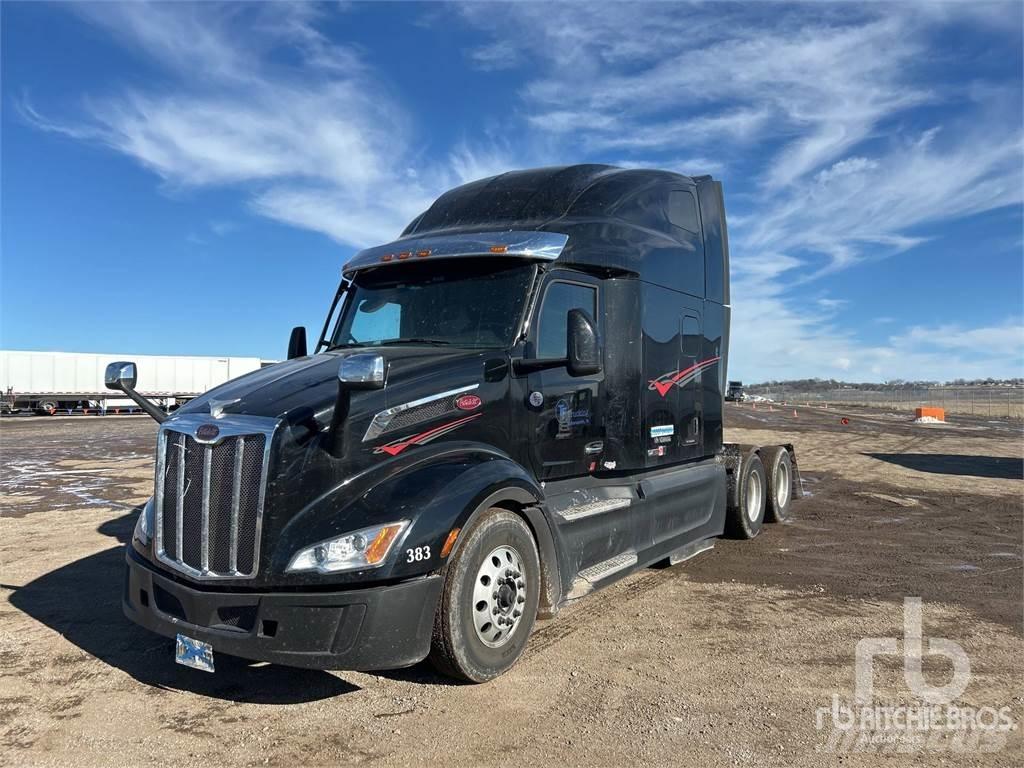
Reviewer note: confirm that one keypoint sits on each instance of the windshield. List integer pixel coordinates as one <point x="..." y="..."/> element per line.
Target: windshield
<point x="475" y="304"/>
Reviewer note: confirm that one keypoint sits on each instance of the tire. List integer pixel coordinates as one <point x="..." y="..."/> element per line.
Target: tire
<point x="744" y="521"/>
<point x="46" y="408"/>
<point x="468" y="643"/>
<point x="779" y="476"/>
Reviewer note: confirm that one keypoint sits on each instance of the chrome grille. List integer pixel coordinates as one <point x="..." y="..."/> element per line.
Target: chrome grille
<point x="209" y="496"/>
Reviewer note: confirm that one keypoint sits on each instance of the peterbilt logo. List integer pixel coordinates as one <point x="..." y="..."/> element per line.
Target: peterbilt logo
<point x="468" y="403"/>
<point x="207" y="432"/>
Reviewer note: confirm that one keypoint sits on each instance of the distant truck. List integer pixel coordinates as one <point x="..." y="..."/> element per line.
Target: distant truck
<point x="519" y="402"/>
<point x="735" y="392"/>
<point x="50" y="382"/>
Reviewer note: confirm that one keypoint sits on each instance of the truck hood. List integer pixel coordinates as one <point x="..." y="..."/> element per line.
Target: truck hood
<point x="295" y="388"/>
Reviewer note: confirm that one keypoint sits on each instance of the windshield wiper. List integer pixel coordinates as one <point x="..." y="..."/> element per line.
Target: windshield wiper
<point x="410" y="340"/>
<point x="346" y="345"/>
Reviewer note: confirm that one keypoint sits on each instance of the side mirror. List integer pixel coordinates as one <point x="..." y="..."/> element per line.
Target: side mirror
<point x="584" y="353"/>
<point x="297" y="343"/>
<point x="363" y="370"/>
<point x="121" y="376"/>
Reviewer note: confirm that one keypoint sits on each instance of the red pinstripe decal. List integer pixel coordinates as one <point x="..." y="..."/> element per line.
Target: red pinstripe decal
<point x="677" y="378"/>
<point x="396" y="447"/>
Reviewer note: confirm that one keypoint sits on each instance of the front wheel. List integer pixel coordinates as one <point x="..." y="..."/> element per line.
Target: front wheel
<point x="489" y="600"/>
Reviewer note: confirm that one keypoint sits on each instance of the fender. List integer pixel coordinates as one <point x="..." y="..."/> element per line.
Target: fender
<point x="527" y="504"/>
<point x="436" y="489"/>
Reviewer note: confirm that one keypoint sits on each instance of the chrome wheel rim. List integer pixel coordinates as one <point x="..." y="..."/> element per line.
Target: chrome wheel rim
<point x="781" y="485"/>
<point x="754" y="492"/>
<point x="499" y="595"/>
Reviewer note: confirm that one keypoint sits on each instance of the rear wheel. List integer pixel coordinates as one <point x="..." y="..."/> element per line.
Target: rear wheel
<point x="779" y="473"/>
<point x="745" y="519"/>
<point x="489" y="601"/>
<point x="46" y="408"/>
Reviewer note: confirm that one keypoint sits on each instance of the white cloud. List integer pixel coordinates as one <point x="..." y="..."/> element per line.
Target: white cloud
<point x="815" y="103"/>
<point x="318" y="143"/>
<point x="804" y="110"/>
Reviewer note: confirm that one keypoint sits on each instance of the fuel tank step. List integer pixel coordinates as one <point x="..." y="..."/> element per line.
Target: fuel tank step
<point x="587" y="578"/>
<point x="690" y="550"/>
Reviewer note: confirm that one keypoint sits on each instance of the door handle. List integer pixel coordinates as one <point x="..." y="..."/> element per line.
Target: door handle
<point x="593" y="448"/>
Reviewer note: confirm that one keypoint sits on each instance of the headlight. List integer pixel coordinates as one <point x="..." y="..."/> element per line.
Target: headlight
<point x="365" y="548"/>
<point x="144" y="525"/>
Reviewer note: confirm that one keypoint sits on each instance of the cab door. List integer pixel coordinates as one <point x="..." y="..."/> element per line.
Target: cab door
<point x="564" y="411"/>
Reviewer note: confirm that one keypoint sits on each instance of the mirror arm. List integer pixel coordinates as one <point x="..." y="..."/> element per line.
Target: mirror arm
<point x="335" y="438"/>
<point x="147" y="405"/>
<point x="522" y="366"/>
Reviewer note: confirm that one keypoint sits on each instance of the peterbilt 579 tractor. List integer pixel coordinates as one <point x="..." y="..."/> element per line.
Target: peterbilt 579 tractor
<point x="517" y="402"/>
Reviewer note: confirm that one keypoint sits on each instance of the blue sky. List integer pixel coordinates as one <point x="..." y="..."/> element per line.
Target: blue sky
<point x="189" y="179"/>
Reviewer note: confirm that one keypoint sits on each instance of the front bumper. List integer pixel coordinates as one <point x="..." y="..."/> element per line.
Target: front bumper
<point x="356" y="629"/>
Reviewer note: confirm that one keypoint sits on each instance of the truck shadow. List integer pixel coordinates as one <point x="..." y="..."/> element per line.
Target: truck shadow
<point x="82" y="601"/>
<point x="995" y="467"/>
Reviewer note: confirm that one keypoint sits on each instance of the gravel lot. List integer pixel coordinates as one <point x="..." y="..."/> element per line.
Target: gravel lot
<point x="723" y="660"/>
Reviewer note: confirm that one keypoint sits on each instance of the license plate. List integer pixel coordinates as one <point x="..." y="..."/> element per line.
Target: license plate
<point x="194" y="653"/>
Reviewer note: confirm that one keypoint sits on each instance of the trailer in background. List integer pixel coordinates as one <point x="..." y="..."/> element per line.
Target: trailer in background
<point x="50" y="382"/>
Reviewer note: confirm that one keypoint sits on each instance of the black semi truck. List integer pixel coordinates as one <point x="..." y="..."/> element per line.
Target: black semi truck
<point x="517" y="402"/>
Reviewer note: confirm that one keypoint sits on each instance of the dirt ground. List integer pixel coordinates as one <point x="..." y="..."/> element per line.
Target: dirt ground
<point x="722" y="660"/>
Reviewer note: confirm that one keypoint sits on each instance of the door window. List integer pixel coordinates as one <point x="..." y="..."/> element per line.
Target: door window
<point x="559" y="298"/>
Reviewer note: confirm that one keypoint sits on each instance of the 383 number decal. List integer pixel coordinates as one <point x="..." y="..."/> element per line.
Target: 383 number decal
<point x="417" y="555"/>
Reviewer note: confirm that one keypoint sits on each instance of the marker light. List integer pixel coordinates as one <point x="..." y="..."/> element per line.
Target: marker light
<point x="365" y="548"/>
<point x="499" y="249"/>
<point x="404" y="255"/>
<point x="387" y="257"/>
<point x="423" y="254"/>
<point x="453" y="534"/>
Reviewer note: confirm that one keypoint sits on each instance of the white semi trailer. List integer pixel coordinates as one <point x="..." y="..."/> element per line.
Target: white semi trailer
<point x="51" y="382"/>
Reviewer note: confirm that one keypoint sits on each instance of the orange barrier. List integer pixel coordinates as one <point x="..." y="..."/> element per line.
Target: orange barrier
<point x="935" y="413"/>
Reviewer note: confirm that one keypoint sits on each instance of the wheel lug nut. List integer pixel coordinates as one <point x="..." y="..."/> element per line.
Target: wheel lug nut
<point x="520" y="599"/>
<point x="517" y="614"/>
<point x="508" y="571"/>
<point x="496" y="610"/>
<point x="520" y="584"/>
<point x="494" y="595"/>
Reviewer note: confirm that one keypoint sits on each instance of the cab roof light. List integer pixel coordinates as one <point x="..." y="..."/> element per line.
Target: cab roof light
<point x="499" y="249"/>
<point x="387" y="257"/>
<point x="404" y="255"/>
<point x="423" y="254"/>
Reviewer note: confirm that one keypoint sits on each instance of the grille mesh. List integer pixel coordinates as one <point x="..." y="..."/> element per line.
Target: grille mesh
<point x="213" y="493"/>
<point x="434" y="410"/>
